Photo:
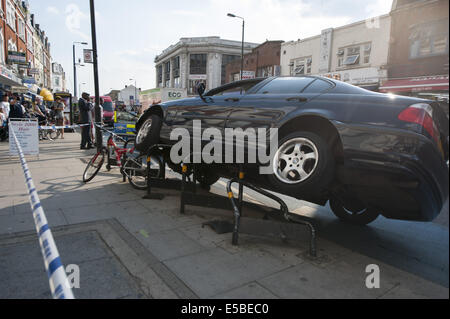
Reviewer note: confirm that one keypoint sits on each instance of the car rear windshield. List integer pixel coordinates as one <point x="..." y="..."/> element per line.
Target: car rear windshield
<point x="108" y="106"/>
<point x="287" y="85"/>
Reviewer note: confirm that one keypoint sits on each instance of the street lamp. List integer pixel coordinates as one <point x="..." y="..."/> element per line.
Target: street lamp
<point x="242" y="46"/>
<point x="75" y="68"/>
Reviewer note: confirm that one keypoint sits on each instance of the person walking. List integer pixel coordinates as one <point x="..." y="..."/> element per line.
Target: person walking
<point x="59" y="115"/>
<point x="85" y="107"/>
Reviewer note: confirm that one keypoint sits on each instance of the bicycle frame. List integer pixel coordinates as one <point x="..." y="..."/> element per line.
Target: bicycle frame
<point x="118" y="152"/>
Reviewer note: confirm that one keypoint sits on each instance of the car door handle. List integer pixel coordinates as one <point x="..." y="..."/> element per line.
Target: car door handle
<point x="232" y="99"/>
<point x="297" y="98"/>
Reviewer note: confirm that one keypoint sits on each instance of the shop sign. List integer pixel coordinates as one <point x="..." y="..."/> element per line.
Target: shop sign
<point x="17" y="57"/>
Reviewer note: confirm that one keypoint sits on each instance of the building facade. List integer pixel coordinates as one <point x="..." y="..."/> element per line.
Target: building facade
<point x="58" y="78"/>
<point x="263" y="61"/>
<point x="355" y="53"/>
<point x="194" y="60"/>
<point x="418" y="63"/>
<point x="129" y="95"/>
<point x="22" y="49"/>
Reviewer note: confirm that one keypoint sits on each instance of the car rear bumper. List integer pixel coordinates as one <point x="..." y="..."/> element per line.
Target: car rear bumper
<point x="405" y="176"/>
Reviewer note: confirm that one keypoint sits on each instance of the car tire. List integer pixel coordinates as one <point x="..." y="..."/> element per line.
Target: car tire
<point x="206" y="177"/>
<point x="148" y="133"/>
<point x="357" y="216"/>
<point x="310" y="166"/>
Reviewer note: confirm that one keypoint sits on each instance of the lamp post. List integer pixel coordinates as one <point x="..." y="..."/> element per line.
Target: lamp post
<point x="98" y="115"/>
<point x="242" y="46"/>
<point x="75" y="68"/>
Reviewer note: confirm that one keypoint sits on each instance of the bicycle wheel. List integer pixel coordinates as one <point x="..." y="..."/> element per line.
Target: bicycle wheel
<point x="94" y="166"/>
<point x="52" y="134"/>
<point x="136" y="170"/>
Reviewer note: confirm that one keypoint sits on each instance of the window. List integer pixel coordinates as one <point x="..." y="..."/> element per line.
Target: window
<point x="29" y="40"/>
<point x="2" y="47"/>
<point x="167" y="74"/>
<point x="367" y="50"/>
<point x="12" y="46"/>
<point x="192" y="86"/>
<point x="429" y="39"/>
<point x="159" y="72"/>
<point x="21" y="25"/>
<point x="301" y="66"/>
<point x="11" y="15"/>
<point x="285" y="85"/>
<point x="176" y="72"/>
<point x="354" y="55"/>
<point x="265" y="71"/>
<point x="318" y="86"/>
<point x="226" y="58"/>
<point x="197" y="64"/>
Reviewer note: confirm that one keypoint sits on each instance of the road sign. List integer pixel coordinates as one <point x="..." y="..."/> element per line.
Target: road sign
<point x="87" y="53"/>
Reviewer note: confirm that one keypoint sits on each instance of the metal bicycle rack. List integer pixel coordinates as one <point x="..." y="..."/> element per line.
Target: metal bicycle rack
<point x="250" y="226"/>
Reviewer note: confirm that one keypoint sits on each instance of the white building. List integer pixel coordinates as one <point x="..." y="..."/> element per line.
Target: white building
<point x="58" y="78"/>
<point x="193" y="60"/>
<point x="356" y="53"/>
<point x="129" y="95"/>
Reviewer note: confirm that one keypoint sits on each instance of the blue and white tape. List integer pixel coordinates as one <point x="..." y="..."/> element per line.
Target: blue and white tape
<point x="54" y="127"/>
<point x="59" y="284"/>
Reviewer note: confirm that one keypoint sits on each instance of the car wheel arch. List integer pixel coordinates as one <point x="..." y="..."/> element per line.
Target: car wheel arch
<point x="319" y="125"/>
<point x="154" y="109"/>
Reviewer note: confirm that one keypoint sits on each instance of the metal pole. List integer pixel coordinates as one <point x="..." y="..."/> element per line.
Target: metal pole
<point x="98" y="132"/>
<point x="74" y="74"/>
<point x="242" y="49"/>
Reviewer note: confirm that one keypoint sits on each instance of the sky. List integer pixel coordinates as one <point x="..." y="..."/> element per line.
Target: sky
<point x="131" y="33"/>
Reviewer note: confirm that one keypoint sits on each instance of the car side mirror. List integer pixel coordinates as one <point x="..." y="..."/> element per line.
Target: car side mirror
<point x="200" y="88"/>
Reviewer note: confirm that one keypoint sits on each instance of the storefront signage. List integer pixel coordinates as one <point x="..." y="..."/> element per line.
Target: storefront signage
<point x="17" y="57"/>
<point x="27" y="134"/>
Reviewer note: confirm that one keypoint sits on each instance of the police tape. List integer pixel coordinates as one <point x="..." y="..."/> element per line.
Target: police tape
<point x="54" y="127"/>
<point x="59" y="284"/>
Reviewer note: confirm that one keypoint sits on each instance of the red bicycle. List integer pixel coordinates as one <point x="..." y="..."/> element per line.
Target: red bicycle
<point x="132" y="164"/>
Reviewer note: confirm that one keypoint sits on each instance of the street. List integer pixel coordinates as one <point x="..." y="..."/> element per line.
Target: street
<point x="129" y="247"/>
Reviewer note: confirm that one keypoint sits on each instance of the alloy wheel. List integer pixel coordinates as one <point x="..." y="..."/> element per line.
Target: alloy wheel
<point x="295" y="161"/>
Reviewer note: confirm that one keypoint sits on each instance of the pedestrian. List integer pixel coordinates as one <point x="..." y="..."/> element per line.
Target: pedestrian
<point x="16" y="109"/>
<point x="59" y="115"/>
<point x="85" y="107"/>
<point x="4" y="107"/>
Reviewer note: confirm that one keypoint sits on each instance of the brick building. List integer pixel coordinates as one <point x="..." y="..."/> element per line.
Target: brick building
<point x="418" y="60"/>
<point x="19" y="58"/>
<point x="264" y="60"/>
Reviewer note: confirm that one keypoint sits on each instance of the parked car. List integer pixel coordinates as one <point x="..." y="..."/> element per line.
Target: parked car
<point x="367" y="153"/>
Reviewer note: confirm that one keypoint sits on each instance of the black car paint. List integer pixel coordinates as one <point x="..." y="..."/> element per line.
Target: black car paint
<point x="390" y="164"/>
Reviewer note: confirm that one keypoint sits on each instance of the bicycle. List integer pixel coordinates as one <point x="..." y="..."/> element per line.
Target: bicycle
<point x="133" y="165"/>
<point x="49" y="133"/>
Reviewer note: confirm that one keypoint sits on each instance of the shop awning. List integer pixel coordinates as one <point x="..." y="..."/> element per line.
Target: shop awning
<point x="419" y="84"/>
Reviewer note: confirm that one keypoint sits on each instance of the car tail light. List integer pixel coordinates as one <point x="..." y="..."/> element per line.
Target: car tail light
<point x="421" y="114"/>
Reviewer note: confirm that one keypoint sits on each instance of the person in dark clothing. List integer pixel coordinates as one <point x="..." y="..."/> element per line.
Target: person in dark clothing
<point x="85" y="107"/>
<point x="16" y="110"/>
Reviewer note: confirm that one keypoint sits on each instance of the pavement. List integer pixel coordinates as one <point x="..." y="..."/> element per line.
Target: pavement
<point x="129" y="247"/>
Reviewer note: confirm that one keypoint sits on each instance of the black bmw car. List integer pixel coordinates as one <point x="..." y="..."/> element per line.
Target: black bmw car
<point x="367" y="153"/>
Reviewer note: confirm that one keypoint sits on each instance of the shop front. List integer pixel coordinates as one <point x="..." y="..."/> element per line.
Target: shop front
<point x="367" y="78"/>
<point x="426" y="87"/>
